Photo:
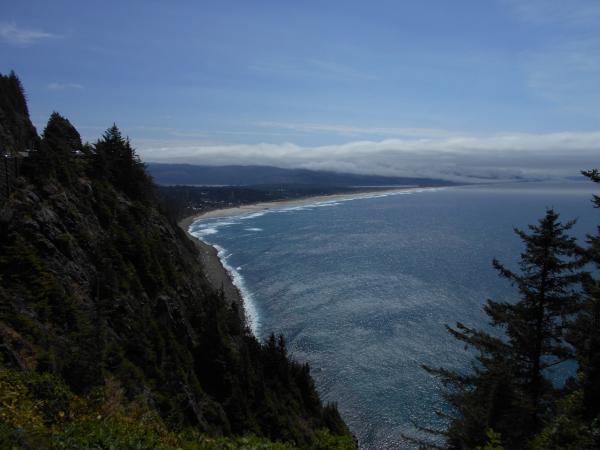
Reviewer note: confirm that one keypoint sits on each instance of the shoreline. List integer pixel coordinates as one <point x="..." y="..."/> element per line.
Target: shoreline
<point x="214" y="268"/>
<point x="250" y="208"/>
<point x="215" y="272"/>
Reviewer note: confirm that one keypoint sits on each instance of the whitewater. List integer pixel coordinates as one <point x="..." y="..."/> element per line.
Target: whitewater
<point x="362" y="288"/>
<point x="202" y="228"/>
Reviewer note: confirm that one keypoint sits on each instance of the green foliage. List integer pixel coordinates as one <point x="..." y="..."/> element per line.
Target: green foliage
<point x="556" y="319"/>
<point x="494" y="441"/>
<point x="584" y="332"/>
<point x="18" y="409"/>
<point x="115" y="160"/>
<point x="568" y="429"/>
<point x="38" y="411"/>
<point x="328" y="440"/>
<point x="58" y="155"/>
<point x="23" y="268"/>
<point x="16" y="131"/>
<point x="98" y="285"/>
<point x="61" y="135"/>
<point x="506" y="390"/>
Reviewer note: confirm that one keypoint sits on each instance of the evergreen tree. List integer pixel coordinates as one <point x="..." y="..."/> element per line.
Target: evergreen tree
<point x="585" y="333"/>
<point x="117" y="161"/>
<point x="16" y="93"/>
<point x="62" y="135"/>
<point x="56" y="155"/>
<point x="98" y="287"/>
<point x="506" y="390"/>
<point x="16" y="131"/>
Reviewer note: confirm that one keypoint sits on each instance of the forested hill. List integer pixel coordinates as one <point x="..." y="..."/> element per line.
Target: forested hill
<point x="110" y="336"/>
<point x="188" y="174"/>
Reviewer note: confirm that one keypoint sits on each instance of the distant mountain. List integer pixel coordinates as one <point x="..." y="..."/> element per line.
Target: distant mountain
<point x="187" y="174"/>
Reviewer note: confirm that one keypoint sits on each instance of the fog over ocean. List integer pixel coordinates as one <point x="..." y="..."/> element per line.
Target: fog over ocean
<point x="362" y="289"/>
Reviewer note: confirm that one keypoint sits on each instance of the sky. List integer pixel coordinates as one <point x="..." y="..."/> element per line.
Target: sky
<point x="461" y="89"/>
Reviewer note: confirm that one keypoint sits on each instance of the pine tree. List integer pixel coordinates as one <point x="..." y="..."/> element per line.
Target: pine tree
<point x="535" y="325"/>
<point x="585" y="333"/>
<point x="56" y="155"/>
<point x="506" y="389"/>
<point x="116" y="160"/>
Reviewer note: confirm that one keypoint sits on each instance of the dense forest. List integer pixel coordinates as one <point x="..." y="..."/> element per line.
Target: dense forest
<point x="110" y="335"/>
<point x="190" y="189"/>
<point x="183" y="201"/>
<point x="253" y="175"/>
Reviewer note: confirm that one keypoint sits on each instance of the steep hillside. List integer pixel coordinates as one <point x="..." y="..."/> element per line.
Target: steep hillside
<point x="98" y="287"/>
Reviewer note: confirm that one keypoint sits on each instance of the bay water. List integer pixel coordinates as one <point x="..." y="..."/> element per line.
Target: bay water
<point x="362" y="289"/>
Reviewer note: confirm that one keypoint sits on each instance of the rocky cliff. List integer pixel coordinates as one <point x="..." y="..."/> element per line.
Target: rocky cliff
<point x="98" y="284"/>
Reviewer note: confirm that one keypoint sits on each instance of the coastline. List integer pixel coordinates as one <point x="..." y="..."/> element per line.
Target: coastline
<point x="263" y="206"/>
<point x="216" y="272"/>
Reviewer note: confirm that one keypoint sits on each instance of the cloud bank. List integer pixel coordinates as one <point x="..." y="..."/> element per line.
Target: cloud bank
<point x="460" y="158"/>
<point x="63" y="86"/>
<point x="11" y="33"/>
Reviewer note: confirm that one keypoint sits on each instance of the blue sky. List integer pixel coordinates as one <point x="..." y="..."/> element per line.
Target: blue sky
<point x="306" y="83"/>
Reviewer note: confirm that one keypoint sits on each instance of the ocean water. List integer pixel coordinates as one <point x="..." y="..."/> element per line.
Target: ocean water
<point x="363" y="289"/>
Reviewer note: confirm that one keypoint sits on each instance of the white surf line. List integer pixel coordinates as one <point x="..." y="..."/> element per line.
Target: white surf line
<point x="247" y="298"/>
<point x="322" y="201"/>
<point x="214" y="223"/>
<point x="250" y="311"/>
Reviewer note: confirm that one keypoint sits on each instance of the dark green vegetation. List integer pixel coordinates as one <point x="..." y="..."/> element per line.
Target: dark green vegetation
<point x="507" y="400"/>
<point x="110" y="335"/>
<point x="40" y="411"/>
<point x="183" y="201"/>
<point x="187" y="174"/>
<point x="16" y="130"/>
<point x="190" y="189"/>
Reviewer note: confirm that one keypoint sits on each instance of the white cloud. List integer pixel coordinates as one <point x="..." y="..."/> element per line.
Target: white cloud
<point x="501" y="156"/>
<point x="349" y="130"/>
<point x="62" y="86"/>
<point x="11" y="33"/>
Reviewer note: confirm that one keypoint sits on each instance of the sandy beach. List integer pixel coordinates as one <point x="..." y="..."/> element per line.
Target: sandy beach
<point x="263" y="206"/>
<point x="215" y="272"/>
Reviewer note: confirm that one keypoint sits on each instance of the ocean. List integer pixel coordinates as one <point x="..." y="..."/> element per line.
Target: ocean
<point x="362" y="289"/>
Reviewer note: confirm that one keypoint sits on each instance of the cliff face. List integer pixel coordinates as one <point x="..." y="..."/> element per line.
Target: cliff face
<point x="97" y="283"/>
